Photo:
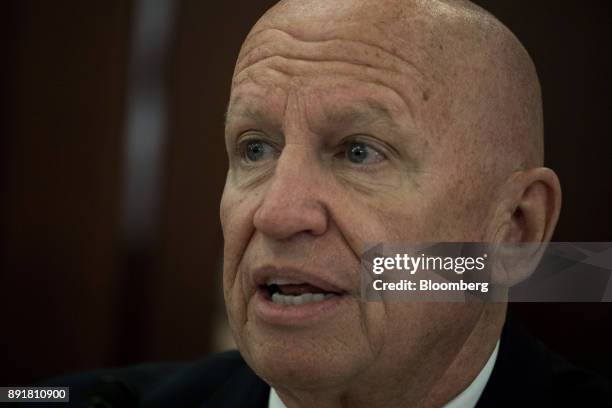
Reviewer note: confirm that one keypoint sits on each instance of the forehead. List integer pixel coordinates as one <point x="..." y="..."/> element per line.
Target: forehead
<point x="354" y="47"/>
<point x="342" y="101"/>
<point x="340" y="73"/>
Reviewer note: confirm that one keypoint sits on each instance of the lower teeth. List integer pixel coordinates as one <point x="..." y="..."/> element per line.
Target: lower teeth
<point x="299" y="299"/>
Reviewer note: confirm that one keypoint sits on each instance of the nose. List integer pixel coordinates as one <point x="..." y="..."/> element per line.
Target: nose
<point x="292" y="203"/>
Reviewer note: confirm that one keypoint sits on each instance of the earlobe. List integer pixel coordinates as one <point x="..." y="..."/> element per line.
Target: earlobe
<point x="525" y="220"/>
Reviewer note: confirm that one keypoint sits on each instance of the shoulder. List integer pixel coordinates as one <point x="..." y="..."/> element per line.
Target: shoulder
<point x="161" y="384"/>
<point x="527" y="373"/>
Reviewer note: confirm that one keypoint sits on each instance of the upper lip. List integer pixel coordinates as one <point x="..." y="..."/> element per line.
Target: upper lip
<point x="261" y="275"/>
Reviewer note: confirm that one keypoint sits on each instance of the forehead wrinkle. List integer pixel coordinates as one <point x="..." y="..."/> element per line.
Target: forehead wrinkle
<point x="405" y="96"/>
<point x="355" y="51"/>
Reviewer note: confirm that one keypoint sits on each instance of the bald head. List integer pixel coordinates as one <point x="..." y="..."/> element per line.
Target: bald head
<point x="469" y="82"/>
<point x="374" y="121"/>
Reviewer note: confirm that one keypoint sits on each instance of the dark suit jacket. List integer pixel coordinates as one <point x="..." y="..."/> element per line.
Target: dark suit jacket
<point x="526" y="374"/>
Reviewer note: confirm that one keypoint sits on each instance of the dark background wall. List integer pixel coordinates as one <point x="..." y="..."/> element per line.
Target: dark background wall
<point x="77" y="293"/>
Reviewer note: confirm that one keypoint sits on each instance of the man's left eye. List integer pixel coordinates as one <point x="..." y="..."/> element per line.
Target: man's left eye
<point x="361" y="153"/>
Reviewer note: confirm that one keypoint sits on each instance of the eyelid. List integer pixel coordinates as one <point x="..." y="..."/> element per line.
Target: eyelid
<point x="379" y="146"/>
<point x="252" y="135"/>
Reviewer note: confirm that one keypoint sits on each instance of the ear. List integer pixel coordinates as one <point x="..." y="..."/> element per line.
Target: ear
<point x="528" y="208"/>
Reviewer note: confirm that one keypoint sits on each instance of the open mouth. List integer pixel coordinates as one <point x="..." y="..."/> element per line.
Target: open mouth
<point x="295" y="293"/>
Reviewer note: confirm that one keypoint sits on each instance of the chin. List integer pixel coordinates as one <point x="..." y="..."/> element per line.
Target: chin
<point x="300" y="361"/>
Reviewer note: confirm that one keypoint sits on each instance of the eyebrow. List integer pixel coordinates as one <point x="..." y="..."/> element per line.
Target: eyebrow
<point x="245" y="111"/>
<point x="361" y="114"/>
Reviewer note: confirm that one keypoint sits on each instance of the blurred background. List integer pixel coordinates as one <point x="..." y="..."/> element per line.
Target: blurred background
<point x="112" y="163"/>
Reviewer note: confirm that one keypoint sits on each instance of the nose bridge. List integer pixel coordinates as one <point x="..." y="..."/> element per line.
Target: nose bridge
<point x="292" y="202"/>
<point x="298" y="176"/>
<point x="297" y="162"/>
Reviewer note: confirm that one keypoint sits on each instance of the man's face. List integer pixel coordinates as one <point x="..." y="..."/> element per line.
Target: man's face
<point x="333" y="144"/>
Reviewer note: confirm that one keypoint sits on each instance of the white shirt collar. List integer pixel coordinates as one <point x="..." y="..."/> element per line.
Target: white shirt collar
<point x="467" y="399"/>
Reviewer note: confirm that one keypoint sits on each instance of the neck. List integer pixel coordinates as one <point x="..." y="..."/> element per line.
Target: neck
<point x="433" y="385"/>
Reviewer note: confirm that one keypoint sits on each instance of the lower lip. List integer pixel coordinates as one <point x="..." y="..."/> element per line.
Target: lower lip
<point x="295" y="315"/>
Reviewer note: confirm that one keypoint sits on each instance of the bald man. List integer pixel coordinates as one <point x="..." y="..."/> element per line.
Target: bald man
<point x="359" y="121"/>
<point x="375" y="121"/>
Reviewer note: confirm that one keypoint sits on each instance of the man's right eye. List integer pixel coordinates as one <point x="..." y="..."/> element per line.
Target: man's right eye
<point x="257" y="150"/>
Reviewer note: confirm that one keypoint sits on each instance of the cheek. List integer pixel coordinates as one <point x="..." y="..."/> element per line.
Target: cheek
<point x="419" y="333"/>
<point x="236" y="213"/>
<point x="236" y="221"/>
<point x="425" y="217"/>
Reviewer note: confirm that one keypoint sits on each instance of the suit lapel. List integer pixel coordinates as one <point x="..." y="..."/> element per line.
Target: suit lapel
<point x="242" y="389"/>
<point x="521" y="374"/>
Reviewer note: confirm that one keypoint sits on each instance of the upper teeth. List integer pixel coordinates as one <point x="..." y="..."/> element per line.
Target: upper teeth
<point x="299" y="299"/>
<point x="282" y="281"/>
